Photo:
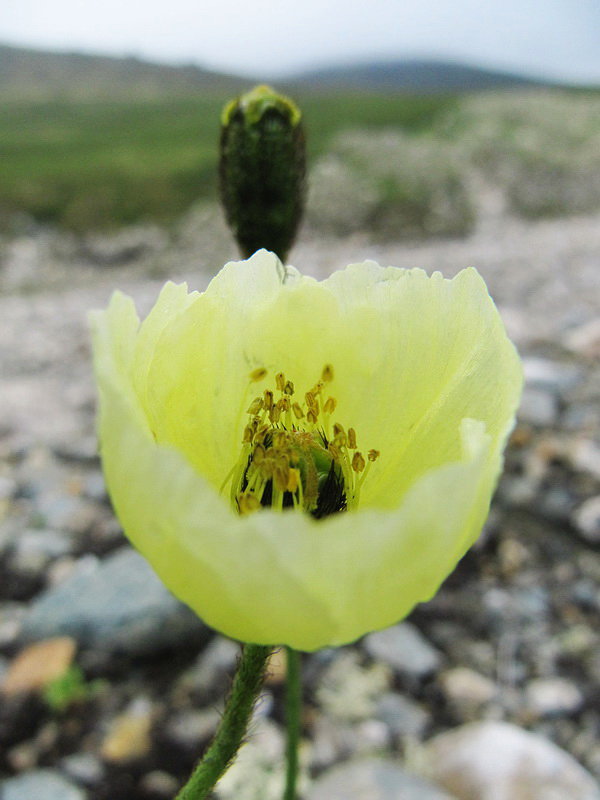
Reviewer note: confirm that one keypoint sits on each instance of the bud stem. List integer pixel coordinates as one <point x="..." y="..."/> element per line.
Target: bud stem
<point x="293" y="700"/>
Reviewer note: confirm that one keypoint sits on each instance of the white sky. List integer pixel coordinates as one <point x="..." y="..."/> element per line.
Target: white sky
<point x="270" y="38"/>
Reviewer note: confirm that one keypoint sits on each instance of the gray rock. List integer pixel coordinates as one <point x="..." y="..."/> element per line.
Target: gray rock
<point x="543" y="373"/>
<point x="373" y="779"/>
<point x="210" y="676"/>
<point x="158" y="784"/>
<point x="467" y="691"/>
<point x="404" y="649"/>
<point x="8" y="487"/>
<point x="548" y="697"/>
<point x="538" y="407"/>
<point x="403" y="716"/>
<point x="84" y="768"/>
<point x="47" y="543"/>
<point x="40" y="783"/>
<point x="190" y="729"/>
<point x="585" y="456"/>
<point x="117" y="606"/>
<point x="586" y="519"/>
<point x="499" y="761"/>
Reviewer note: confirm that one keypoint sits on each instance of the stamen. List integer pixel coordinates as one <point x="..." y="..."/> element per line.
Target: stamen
<point x="258" y="374"/>
<point x="329" y="405"/>
<point x="327" y="374"/>
<point x="255" y="406"/>
<point x="289" y="459"/>
<point x="358" y="462"/>
<point x="351" y="438"/>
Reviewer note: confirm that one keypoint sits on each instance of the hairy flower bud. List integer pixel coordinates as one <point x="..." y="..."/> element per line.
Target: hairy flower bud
<point x="262" y="169"/>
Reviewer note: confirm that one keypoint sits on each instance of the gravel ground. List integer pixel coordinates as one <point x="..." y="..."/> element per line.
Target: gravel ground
<point x="111" y="689"/>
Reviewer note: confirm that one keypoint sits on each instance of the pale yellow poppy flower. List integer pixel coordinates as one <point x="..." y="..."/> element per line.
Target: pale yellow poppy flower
<point x="407" y="382"/>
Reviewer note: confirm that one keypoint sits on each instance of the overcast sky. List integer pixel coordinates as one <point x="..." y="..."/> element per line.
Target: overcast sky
<point x="271" y="38"/>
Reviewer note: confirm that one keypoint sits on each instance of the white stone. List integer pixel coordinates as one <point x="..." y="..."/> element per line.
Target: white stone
<point x="499" y="761"/>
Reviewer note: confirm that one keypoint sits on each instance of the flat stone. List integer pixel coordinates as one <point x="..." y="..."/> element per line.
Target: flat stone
<point x="349" y="690"/>
<point x="551" y="375"/>
<point x="585" y="456"/>
<point x="40" y="783"/>
<point x="585" y="339"/>
<point x="549" y="697"/>
<point x="538" y="407"/>
<point x="373" y="779"/>
<point x="403" y="716"/>
<point x="467" y="689"/>
<point x="159" y="785"/>
<point x="210" y="676"/>
<point x="84" y="768"/>
<point x="38" y="665"/>
<point x="500" y="761"/>
<point x="117" y="606"/>
<point x="404" y="649"/>
<point x="586" y="519"/>
<point x="190" y="729"/>
<point x="128" y="737"/>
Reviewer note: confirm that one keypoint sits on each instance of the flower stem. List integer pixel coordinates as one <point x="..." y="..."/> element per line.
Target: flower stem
<point x="293" y="700"/>
<point x="232" y="728"/>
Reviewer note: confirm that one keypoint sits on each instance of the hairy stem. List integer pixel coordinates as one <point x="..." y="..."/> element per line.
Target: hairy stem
<point x="232" y="728"/>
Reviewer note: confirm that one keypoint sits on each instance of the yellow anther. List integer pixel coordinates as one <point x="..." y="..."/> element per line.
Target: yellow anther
<point x="334" y="450"/>
<point x="293" y="481"/>
<point x="286" y="472"/>
<point x="255" y="406"/>
<point x="351" y="438"/>
<point x="327" y="374"/>
<point x="259" y="454"/>
<point x="340" y="439"/>
<point x="330" y="405"/>
<point x="281" y="477"/>
<point x="267" y="468"/>
<point x="261" y="432"/>
<point x="247" y="503"/>
<point x="268" y="399"/>
<point x="358" y="462"/>
<point x="258" y="374"/>
<point x="280" y="439"/>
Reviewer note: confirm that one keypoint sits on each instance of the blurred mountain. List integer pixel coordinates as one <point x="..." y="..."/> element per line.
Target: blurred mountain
<point x="412" y="76"/>
<point x="38" y="74"/>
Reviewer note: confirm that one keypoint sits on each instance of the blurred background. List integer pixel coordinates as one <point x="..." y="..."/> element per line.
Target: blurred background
<point x="441" y="136"/>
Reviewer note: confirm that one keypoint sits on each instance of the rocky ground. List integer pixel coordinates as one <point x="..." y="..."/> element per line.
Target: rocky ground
<point x="110" y="689"/>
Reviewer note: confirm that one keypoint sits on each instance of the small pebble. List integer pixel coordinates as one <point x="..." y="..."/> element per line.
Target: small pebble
<point x="404" y="649"/>
<point x="586" y="520"/>
<point x="547" y="697"/>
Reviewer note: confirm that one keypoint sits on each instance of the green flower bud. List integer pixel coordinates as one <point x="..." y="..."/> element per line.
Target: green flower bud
<point x="262" y="170"/>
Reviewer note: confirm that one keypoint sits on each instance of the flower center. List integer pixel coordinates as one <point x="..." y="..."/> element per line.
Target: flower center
<point x="293" y="454"/>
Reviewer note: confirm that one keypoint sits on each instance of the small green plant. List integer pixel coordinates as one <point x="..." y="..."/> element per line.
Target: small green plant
<point x="71" y="687"/>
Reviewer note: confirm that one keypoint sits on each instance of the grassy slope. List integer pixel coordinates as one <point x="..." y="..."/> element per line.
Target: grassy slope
<point x="92" y="164"/>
